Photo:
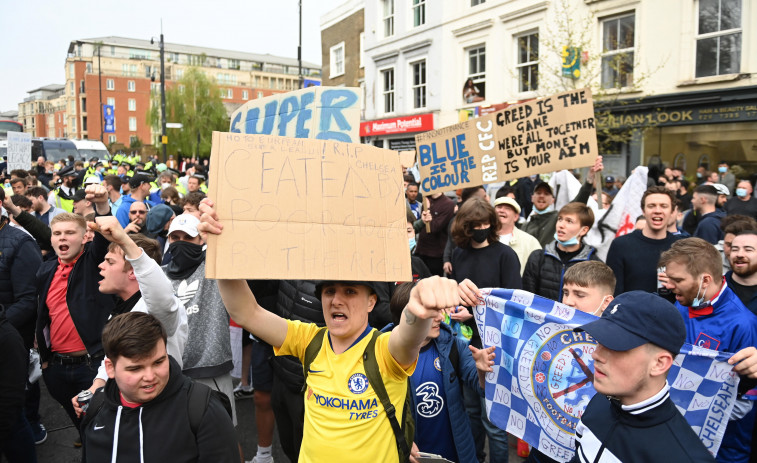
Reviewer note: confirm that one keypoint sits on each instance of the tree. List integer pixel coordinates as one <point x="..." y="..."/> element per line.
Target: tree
<point x="614" y="78"/>
<point x="195" y="102"/>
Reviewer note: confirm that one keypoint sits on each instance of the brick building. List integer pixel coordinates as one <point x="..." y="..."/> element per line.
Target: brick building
<point x="129" y="72"/>
<point x="342" y="33"/>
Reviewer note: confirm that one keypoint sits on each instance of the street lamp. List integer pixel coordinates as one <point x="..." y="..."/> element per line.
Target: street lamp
<point x="164" y="139"/>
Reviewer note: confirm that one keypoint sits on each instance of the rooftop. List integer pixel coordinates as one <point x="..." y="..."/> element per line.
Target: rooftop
<point x="48" y="88"/>
<point x="193" y="50"/>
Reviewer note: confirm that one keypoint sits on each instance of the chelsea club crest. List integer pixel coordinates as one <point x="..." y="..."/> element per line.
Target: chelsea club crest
<point x="357" y="383"/>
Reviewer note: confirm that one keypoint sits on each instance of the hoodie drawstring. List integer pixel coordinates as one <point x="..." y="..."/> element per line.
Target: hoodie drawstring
<point x="141" y="438"/>
<point x="114" y="454"/>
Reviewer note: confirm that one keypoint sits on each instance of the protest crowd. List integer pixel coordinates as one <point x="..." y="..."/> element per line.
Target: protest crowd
<point x="103" y="278"/>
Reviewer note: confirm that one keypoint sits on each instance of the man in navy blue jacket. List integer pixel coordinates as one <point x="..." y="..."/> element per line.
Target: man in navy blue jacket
<point x="704" y="203"/>
<point x="632" y="418"/>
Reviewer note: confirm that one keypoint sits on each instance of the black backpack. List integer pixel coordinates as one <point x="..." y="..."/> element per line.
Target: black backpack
<point x="403" y="434"/>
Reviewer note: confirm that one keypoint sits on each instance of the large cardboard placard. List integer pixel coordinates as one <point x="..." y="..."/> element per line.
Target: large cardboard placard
<point x="554" y="133"/>
<point x="325" y="113"/>
<point x="296" y="208"/>
<point x="19" y="151"/>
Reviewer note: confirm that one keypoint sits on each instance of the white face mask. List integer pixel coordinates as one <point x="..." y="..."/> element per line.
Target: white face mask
<point x="598" y="312"/>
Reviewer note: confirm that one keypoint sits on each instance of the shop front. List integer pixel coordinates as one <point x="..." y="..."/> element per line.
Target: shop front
<point x="687" y="130"/>
<point x="397" y="133"/>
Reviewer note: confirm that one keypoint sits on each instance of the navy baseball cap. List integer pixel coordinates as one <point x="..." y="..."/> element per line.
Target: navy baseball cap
<point x="636" y="318"/>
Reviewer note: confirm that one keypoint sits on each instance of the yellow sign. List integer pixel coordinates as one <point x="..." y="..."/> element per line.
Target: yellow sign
<point x="164" y="140"/>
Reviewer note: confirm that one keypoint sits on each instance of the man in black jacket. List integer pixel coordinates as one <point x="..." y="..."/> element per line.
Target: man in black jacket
<point x="148" y="406"/>
<point x="72" y="311"/>
<point x="632" y="418"/>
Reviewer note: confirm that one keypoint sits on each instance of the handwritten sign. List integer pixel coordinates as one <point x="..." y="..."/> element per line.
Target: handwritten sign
<point x="19" y="151"/>
<point x="306" y="209"/>
<point x="554" y="133"/>
<point x="325" y="113"/>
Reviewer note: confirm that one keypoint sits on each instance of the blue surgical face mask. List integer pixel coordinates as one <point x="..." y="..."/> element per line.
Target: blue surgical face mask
<point x="698" y="301"/>
<point x="699" y="175"/>
<point x="411" y="241"/>
<point x="571" y="242"/>
<point x="549" y="208"/>
<point x="741" y="192"/>
<point x="722" y="169"/>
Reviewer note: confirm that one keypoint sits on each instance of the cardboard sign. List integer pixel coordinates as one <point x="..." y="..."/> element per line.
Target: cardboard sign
<point x="554" y="133"/>
<point x="19" y="151"/>
<point x="407" y="159"/>
<point x="306" y="209"/>
<point x="325" y="113"/>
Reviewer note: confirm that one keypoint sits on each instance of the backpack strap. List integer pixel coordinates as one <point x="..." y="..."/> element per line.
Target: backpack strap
<point x="311" y="352"/>
<point x="198" y="398"/>
<point x="374" y="379"/>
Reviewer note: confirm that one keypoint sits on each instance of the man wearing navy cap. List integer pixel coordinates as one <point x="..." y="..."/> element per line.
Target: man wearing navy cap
<point x="632" y="418"/>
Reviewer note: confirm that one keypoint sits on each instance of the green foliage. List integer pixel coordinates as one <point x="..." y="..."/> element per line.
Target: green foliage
<point x="193" y="101"/>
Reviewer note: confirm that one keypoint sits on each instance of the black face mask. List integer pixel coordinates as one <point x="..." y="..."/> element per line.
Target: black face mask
<point x="479" y="236"/>
<point x="185" y="258"/>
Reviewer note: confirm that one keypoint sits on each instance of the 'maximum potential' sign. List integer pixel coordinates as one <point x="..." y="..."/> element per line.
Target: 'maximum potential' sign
<point x="554" y="133"/>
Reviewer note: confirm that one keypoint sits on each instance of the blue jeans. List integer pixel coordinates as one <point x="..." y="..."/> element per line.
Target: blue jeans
<point x="19" y="447"/>
<point x="66" y="381"/>
<point x="475" y="406"/>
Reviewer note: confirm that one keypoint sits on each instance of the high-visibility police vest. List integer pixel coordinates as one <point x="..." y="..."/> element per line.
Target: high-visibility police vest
<point x="61" y="203"/>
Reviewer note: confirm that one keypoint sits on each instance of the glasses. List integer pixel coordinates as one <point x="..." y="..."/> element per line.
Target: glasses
<point x="138" y="212"/>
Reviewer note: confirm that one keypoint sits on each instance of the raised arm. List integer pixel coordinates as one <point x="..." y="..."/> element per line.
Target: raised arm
<point x="237" y="297"/>
<point x="427" y="298"/>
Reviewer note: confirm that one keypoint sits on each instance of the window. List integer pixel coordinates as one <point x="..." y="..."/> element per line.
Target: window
<point x="131" y="86"/>
<point x="618" y="51"/>
<point x="229" y="93"/>
<point x="245" y="95"/>
<point x="419" y="12"/>
<point x="336" y="64"/>
<point x="260" y="94"/>
<point x="71" y="87"/>
<point x="719" y="38"/>
<point x="181" y="89"/>
<point x="387" y="77"/>
<point x="111" y="102"/>
<point x="528" y="62"/>
<point x="111" y="138"/>
<point x="179" y="73"/>
<point x="112" y="53"/>
<point x="388" y="18"/>
<point x="132" y="124"/>
<point x="234" y="64"/>
<point x="476" y="2"/>
<point x="477" y="74"/>
<point x="71" y="70"/>
<point x="89" y="68"/>
<point x="109" y="84"/>
<point x="419" y="84"/>
<point x="132" y="104"/>
<point x="133" y="139"/>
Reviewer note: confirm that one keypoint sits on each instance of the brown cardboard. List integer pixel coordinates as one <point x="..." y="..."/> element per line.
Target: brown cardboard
<point x="550" y="134"/>
<point x="407" y="159"/>
<point x="306" y="209"/>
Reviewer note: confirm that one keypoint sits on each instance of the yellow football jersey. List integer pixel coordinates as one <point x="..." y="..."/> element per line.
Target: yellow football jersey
<point x="344" y="418"/>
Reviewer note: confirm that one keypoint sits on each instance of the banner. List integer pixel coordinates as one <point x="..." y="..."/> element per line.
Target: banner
<point x="110" y="119"/>
<point x="19" y="151"/>
<point x="325" y="113"/>
<point x="546" y="135"/>
<point x="620" y="218"/>
<point x="543" y="372"/>
<point x="296" y="208"/>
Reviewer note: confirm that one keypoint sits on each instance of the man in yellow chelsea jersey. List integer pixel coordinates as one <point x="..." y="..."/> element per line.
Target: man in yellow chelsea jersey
<point x="343" y="416"/>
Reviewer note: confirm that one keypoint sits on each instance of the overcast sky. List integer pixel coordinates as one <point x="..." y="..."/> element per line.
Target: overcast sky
<point x="36" y="34"/>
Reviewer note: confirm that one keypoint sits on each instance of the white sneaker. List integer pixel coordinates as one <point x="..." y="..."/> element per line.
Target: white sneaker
<point x="243" y="392"/>
<point x="262" y="459"/>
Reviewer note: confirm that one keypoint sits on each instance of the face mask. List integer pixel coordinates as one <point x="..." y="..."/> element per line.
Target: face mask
<point x="163" y="186"/>
<point x="598" y="312"/>
<point x="741" y="192"/>
<point x="411" y="241"/>
<point x="533" y="177"/>
<point x="479" y="236"/>
<point x="697" y="302"/>
<point x="185" y="257"/>
<point x="571" y="242"/>
<point x="699" y="175"/>
<point x="722" y="170"/>
<point x="549" y="208"/>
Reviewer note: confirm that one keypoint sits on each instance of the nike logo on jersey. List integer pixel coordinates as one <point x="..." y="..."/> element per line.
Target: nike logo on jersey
<point x="97" y="428"/>
<point x="310" y="370"/>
